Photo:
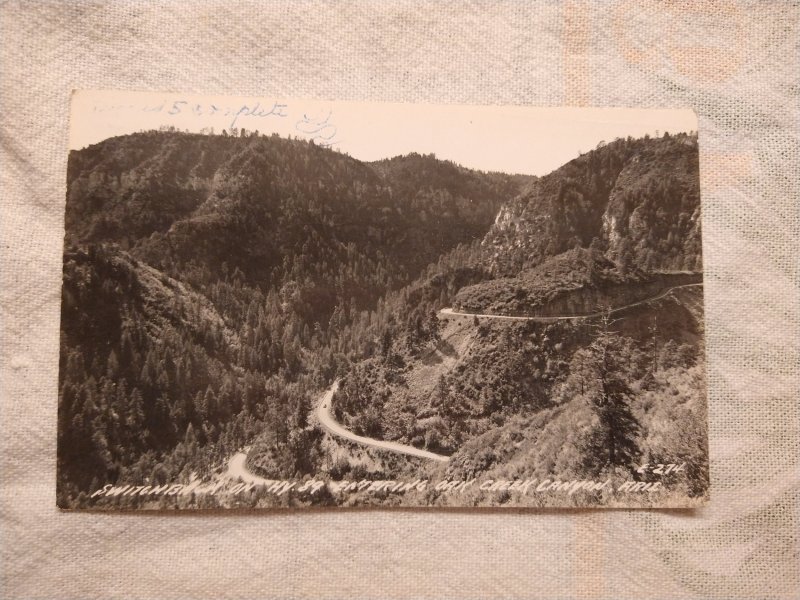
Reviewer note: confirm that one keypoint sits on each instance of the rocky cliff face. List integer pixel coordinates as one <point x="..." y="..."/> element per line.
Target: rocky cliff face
<point x="577" y="282"/>
<point x="652" y="218"/>
<point x="636" y="200"/>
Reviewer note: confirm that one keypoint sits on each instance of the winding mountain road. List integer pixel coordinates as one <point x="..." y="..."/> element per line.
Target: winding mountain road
<point x="330" y="425"/>
<point x="449" y="312"/>
<point x="238" y="469"/>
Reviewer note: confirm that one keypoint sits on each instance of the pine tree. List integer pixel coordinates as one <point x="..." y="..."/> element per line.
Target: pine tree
<point x="614" y="443"/>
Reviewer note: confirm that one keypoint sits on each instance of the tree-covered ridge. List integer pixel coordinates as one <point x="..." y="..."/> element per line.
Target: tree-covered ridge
<point x="213" y="284"/>
<point x="637" y="200"/>
<point x="595" y="398"/>
<point x="564" y="400"/>
<point x="581" y="281"/>
<point x="282" y="212"/>
<point x="154" y="384"/>
<point x="125" y="188"/>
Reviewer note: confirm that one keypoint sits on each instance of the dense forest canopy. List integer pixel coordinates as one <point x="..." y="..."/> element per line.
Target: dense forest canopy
<point x="214" y="285"/>
<point x="595" y="398"/>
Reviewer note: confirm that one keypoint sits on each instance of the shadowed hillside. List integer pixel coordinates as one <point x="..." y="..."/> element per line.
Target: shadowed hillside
<point x="614" y="234"/>
<point x="636" y="200"/>
<point x="215" y="285"/>
<point x="209" y="282"/>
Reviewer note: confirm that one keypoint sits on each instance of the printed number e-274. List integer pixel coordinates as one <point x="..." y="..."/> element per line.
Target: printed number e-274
<point x="661" y="468"/>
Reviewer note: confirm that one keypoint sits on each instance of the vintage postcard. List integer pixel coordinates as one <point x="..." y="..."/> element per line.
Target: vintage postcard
<point x="293" y="303"/>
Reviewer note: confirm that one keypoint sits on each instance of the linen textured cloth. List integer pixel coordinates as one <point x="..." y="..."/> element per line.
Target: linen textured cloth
<point x="735" y="63"/>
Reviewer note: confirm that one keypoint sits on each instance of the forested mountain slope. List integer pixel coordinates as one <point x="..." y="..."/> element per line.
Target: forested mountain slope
<point x="212" y="284"/>
<point x="587" y="398"/>
<point x="637" y="200"/>
<point x="280" y="212"/>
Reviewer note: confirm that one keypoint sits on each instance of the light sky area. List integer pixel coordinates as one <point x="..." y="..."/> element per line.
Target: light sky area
<point x="512" y="139"/>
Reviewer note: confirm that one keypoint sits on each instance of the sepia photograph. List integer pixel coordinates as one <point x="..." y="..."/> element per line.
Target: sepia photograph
<point x="287" y="303"/>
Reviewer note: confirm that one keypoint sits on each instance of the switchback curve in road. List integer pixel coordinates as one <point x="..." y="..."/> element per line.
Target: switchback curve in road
<point x="237" y="469"/>
<point x="449" y="312"/>
<point x="329" y="424"/>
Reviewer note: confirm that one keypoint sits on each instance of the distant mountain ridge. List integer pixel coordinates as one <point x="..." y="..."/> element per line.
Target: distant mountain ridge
<point x="209" y="285"/>
<point x="276" y="209"/>
<point x="617" y="228"/>
<point x="214" y="284"/>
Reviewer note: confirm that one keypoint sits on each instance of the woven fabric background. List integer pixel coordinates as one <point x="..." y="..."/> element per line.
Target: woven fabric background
<point x="735" y="63"/>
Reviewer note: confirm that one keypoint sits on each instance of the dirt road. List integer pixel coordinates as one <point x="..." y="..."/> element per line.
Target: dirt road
<point x="449" y="312"/>
<point x="330" y="425"/>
